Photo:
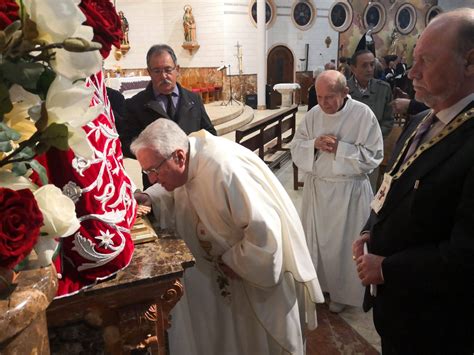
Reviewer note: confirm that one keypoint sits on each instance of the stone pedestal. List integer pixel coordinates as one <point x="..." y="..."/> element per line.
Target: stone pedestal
<point x="23" y="328"/>
<point x="286" y="91"/>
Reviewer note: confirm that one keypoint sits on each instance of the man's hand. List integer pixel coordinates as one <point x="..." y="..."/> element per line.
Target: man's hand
<point x="400" y="106"/>
<point x="358" y="245"/>
<point x="369" y="268"/>
<point x="326" y="143"/>
<point x="142" y="199"/>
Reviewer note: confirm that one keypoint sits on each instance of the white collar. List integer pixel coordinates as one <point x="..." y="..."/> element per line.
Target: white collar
<point x="449" y="113"/>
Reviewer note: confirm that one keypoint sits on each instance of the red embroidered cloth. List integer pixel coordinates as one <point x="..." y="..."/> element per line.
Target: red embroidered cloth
<point x="105" y="205"/>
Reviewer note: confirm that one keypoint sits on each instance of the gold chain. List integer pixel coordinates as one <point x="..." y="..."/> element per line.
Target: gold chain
<point x="449" y="128"/>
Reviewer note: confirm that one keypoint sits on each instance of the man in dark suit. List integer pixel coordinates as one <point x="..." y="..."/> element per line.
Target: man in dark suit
<point x="162" y="98"/>
<point x="420" y="236"/>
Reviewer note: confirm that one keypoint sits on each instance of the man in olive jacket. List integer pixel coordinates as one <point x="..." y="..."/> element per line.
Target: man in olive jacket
<point x="375" y="93"/>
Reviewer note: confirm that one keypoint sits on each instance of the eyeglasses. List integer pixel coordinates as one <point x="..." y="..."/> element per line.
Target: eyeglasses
<point x="157" y="169"/>
<point x="167" y="70"/>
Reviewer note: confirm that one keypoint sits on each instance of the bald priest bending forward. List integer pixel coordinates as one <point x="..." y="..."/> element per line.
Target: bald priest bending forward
<point x="254" y="284"/>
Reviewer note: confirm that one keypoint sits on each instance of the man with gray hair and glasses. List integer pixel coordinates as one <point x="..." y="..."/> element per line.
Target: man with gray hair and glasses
<point x="162" y="98"/>
<point x="254" y="286"/>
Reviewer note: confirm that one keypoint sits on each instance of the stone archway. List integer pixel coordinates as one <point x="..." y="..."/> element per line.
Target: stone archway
<point x="280" y="69"/>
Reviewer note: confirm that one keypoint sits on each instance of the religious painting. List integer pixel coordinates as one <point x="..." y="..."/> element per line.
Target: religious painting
<point x="340" y="16"/>
<point x="374" y="17"/>
<point x="303" y="14"/>
<point x="432" y="13"/>
<point x="405" y="19"/>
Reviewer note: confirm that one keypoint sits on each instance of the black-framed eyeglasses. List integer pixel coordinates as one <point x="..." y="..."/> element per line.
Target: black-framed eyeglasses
<point x="156" y="170"/>
<point x="166" y="70"/>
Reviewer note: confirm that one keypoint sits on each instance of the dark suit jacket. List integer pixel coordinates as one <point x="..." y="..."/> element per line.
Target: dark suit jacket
<point x="143" y="109"/>
<point x="426" y="232"/>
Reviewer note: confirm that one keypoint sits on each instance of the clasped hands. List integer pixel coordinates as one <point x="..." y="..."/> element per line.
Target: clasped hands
<point x="369" y="266"/>
<point x="326" y="143"/>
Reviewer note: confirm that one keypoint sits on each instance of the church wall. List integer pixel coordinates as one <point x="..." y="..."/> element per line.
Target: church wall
<point x="447" y="5"/>
<point x="220" y="25"/>
<point x="385" y="43"/>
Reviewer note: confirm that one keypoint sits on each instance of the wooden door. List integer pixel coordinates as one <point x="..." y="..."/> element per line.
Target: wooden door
<point x="280" y="69"/>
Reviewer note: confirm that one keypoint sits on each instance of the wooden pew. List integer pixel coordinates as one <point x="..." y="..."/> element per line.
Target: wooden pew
<point x="266" y="135"/>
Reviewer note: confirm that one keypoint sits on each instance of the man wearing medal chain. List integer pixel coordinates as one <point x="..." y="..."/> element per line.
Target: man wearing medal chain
<point x="420" y="236"/>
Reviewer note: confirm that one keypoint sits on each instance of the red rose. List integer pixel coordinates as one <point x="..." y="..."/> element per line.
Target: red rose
<point x="102" y="17"/>
<point x="20" y="223"/>
<point x="8" y="13"/>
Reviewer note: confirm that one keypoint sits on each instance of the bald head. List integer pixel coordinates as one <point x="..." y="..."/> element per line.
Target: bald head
<point x="443" y="70"/>
<point x="458" y="23"/>
<point x="332" y="78"/>
<point x="331" y="89"/>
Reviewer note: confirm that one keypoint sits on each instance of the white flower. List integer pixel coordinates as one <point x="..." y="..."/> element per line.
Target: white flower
<point x="69" y="103"/>
<point x="59" y="212"/>
<point x="57" y="20"/>
<point x="14" y="182"/>
<point x="45" y="249"/>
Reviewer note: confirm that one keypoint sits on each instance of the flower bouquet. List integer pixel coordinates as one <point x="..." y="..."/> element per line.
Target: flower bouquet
<point x="46" y="54"/>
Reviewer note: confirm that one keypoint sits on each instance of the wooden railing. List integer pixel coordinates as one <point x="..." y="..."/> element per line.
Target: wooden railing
<point x="266" y="135"/>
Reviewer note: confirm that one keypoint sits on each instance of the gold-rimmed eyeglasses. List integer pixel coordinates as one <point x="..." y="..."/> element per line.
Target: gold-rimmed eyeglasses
<point x="166" y="70"/>
<point x="156" y="169"/>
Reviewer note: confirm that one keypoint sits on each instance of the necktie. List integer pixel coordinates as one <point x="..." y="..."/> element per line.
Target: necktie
<point x="422" y="129"/>
<point x="170" y="109"/>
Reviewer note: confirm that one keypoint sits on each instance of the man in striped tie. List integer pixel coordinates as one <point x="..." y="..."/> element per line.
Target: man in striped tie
<point x="419" y="239"/>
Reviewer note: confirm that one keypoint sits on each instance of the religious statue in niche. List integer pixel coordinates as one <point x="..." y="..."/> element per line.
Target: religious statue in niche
<point x="189" y="26"/>
<point x="124" y="44"/>
<point x="125" y="28"/>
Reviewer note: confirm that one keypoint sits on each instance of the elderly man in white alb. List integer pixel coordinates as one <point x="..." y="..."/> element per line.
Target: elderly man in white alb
<point x="254" y="285"/>
<point x="337" y="144"/>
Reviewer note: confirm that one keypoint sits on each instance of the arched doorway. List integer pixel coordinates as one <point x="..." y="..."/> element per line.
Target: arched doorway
<point x="280" y="69"/>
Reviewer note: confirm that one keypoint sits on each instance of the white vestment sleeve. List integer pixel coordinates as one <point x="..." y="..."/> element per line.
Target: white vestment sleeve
<point x="162" y="203"/>
<point x="302" y="145"/>
<point x="258" y="256"/>
<point x="362" y="156"/>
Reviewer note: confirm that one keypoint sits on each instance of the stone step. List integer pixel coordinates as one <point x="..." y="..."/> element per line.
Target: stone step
<point x="244" y="118"/>
<point x="219" y="113"/>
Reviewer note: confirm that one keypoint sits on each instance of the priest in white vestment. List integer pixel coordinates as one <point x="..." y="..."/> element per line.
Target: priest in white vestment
<point x="254" y="286"/>
<point x="337" y="144"/>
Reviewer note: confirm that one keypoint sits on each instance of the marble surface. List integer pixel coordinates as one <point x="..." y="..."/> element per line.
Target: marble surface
<point x="22" y="314"/>
<point x="166" y="256"/>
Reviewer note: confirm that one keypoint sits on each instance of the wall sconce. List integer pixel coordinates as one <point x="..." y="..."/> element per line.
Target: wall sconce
<point x="328" y="41"/>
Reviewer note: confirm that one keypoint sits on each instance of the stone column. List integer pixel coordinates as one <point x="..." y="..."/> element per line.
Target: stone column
<point x="23" y="328"/>
<point x="261" y="60"/>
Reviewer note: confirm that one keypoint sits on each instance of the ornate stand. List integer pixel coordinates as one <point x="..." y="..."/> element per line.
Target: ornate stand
<point x="23" y="328"/>
<point x="132" y="310"/>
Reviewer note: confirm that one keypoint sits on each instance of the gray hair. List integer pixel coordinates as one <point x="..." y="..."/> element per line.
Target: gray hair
<point x="317" y="71"/>
<point x="162" y="136"/>
<point x="159" y="49"/>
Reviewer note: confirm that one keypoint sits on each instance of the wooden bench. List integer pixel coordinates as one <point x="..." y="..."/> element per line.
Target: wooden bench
<point x="266" y="135"/>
